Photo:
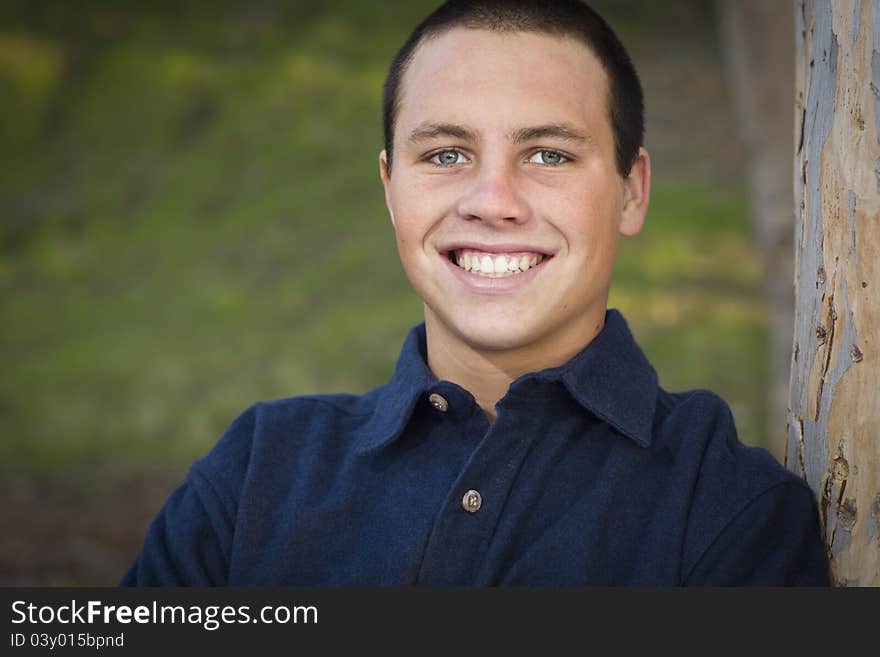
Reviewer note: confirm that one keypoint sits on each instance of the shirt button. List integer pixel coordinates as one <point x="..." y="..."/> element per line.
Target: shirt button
<point x="472" y="501"/>
<point x="438" y="402"/>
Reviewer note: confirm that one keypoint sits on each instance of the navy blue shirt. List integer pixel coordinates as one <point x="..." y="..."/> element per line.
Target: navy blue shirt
<point x="591" y="474"/>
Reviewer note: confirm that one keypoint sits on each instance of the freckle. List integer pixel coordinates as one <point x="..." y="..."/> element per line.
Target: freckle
<point x="864" y="284"/>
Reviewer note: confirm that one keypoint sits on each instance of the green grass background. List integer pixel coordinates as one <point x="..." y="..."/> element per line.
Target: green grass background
<point x="191" y="220"/>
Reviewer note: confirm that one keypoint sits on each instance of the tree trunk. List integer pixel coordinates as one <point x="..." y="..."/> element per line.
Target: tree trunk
<point x="834" y="420"/>
<point x="757" y="37"/>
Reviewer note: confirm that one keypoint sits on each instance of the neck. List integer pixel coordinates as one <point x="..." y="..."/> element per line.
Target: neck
<point x="488" y="373"/>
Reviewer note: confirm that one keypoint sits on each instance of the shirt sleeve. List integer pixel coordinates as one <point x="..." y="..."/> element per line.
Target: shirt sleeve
<point x="187" y="544"/>
<point x="774" y="541"/>
<point x="190" y="541"/>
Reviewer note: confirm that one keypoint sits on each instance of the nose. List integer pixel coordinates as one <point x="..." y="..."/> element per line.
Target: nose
<point x="494" y="196"/>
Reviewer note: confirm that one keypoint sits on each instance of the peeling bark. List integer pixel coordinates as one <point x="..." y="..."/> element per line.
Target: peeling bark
<point x="834" y="416"/>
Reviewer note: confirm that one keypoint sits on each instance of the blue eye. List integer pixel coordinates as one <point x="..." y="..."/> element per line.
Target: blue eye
<point x="447" y="158"/>
<point x="550" y="158"/>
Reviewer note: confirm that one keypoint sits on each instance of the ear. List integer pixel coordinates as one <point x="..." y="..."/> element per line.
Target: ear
<point x="636" y="194"/>
<point x="385" y="175"/>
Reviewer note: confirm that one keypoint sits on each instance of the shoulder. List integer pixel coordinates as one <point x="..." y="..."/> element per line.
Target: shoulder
<point x="699" y="427"/>
<point x="274" y="434"/>
<point x="733" y="485"/>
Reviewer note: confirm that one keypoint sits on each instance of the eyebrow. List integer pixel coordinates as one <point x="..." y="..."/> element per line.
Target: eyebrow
<point x="428" y="131"/>
<point x="553" y="130"/>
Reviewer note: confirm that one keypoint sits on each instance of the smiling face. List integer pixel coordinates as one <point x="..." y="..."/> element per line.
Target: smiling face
<point x="504" y="194"/>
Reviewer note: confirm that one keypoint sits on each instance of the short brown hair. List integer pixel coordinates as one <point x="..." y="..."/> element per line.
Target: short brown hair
<point x="559" y="17"/>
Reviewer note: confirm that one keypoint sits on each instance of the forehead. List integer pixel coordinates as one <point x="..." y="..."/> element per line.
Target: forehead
<point x="472" y="75"/>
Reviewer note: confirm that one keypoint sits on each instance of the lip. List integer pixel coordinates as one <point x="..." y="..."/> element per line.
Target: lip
<point x="494" y="248"/>
<point x="501" y="285"/>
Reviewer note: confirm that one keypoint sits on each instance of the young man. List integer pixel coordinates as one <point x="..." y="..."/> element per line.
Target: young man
<point x="523" y="438"/>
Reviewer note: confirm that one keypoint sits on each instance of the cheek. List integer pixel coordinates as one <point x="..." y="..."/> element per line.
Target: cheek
<point x="592" y="221"/>
<point x="417" y="208"/>
<point x="406" y="242"/>
<point x="409" y="232"/>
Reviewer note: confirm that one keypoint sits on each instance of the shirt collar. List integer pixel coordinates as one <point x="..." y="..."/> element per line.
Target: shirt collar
<point x="398" y="398"/>
<point x="611" y="378"/>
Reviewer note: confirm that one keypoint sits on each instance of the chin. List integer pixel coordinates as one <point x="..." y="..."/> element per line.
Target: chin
<point x="495" y="336"/>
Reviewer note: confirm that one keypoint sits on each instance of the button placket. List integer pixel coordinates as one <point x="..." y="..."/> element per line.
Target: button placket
<point x="494" y="466"/>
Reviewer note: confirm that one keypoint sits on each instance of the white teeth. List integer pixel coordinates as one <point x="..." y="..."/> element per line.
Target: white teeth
<point x="494" y="266"/>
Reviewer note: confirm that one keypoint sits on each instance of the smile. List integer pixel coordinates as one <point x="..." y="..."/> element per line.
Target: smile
<point x="494" y="265"/>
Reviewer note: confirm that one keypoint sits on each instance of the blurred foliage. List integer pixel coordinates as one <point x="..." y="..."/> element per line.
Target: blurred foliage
<point x="191" y="220"/>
